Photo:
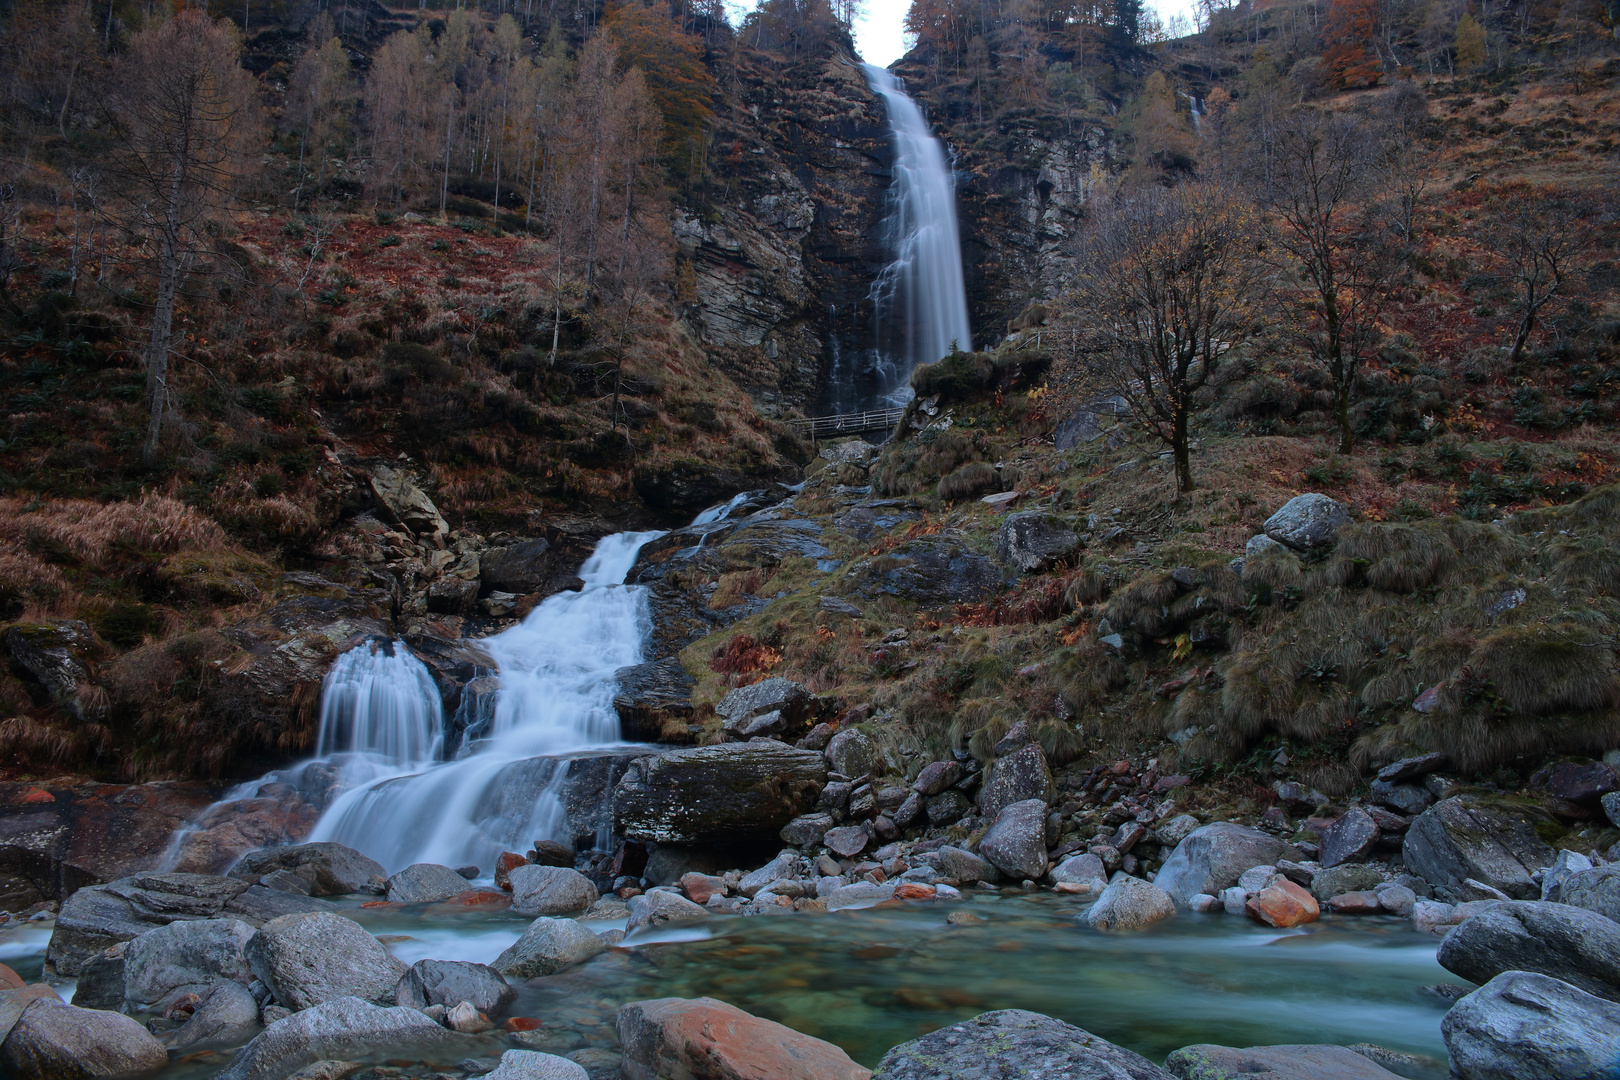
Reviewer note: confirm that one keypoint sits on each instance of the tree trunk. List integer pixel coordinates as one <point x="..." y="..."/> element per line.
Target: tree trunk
<point x="157" y="357"/>
<point x="1520" y="339"/>
<point x="1179" y="449"/>
<point x="1341" y="402"/>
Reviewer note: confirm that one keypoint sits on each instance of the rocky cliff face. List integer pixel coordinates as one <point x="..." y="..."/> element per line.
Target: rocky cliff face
<point x="782" y="256"/>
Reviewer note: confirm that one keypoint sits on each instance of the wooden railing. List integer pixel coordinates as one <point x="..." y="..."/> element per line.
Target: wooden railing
<point x="821" y="427"/>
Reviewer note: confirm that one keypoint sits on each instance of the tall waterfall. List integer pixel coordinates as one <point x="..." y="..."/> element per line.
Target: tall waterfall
<point x="556" y="696"/>
<point x="920" y="299"/>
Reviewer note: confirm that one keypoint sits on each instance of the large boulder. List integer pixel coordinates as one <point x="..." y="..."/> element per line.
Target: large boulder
<point x="705" y="1039"/>
<point x="718" y="794"/>
<point x="185" y="957"/>
<point x="1522" y="1025"/>
<point x="550" y="890"/>
<point x="339" y="1030"/>
<point x="527" y="567"/>
<point x="1350" y="838"/>
<point x="656" y="910"/>
<point x="954" y="862"/>
<point x="227" y="1015"/>
<point x="1467" y="837"/>
<point x="768" y="707"/>
<point x="1033" y="541"/>
<point x="1015" y="843"/>
<point x="330" y="869"/>
<point x="403" y="502"/>
<point x="53" y="1041"/>
<point x="548" y="946"/>
<point x="307" y="959"/>
<point x="97" y="917"/>
<point x="1307" y="521"/>
<point x="1211" y="858"/>
<point x="1569" y="943"/>
<point x="55" y="839"/>
<point x="654" y="701"/>
<point x="1021" y="775"/>
<point x="1596" y="890"/>
<point x="1013" y="1044"/>
<point x="1130" y="903"/>
<point x="450" y="982"/>
<point x="425" y="883"/>
<point x="1294" y="1062"/>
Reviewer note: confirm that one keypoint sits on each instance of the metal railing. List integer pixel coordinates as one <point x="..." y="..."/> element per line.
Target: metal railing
<point x="820" y="427"/>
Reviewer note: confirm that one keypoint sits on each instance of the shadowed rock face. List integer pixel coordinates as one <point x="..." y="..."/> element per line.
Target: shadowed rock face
<point x="1013" y="1043"/>
<point x="735" y="792"/>
<point x="1464" y="837"/>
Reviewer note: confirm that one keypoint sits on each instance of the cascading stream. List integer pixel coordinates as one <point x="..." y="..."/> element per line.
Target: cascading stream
<point x="555" y="698"/>
<point x="920" y="299"/>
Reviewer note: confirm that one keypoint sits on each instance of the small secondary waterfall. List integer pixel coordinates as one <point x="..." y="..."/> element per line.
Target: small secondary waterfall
<point x="555" y="697"/>
<point x="920" y="298"/>
<point x="380" y="700"/>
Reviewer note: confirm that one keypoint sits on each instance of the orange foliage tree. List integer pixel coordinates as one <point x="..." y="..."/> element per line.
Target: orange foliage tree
<point x="671" y="62"/>
<point x="1347" y="33"/>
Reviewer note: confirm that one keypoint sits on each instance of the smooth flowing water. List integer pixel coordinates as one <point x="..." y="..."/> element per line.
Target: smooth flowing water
<point x="555" y="698"/>
<point x="920" y="299"/>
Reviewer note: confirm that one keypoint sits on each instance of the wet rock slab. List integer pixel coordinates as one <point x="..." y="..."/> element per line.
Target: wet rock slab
<point x="706" y="1039"/>
<point x="1296" y="1062"/>
<point x="1014" y="1044"/>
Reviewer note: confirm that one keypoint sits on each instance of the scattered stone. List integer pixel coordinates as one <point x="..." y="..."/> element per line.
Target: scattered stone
<point x="785" y="699"/>
<point x="53" y="1041"/>
<point x="450" y="982"/>
<point x="833" y="605"/>
<point x="1596" y="890"/>
<point x="184" y="957"/>
<point x="937" y="776"/>
<point x="1014" y="1044"/>
<point x="657" y="910"/>
<point x="699" y="887"/>
<point x="1584" y="784"/>
<point x="965" y="866"/>
<point x="947" y="808"/>
<point x="531" y="1065"/>
<point x="857" y="895"/>
<point x="1130" y="903"/>
<point x="424" y="883"/>
<point x="1349" y="839"/>
<point x="1256" y="878"/>
<point x="1346" y="878"/>
<point x="1463" y="837"/>
<point x="1283" y="905"/>
<point x="1211" y="858"/>
<point x="1234" y="899"/>
<point x="1079" y="869"/>
<point x="1434" y="917"/>
<point x="550" y="890"/>
<point x="1396" y="899"/>
<point x="1522" y="1025"/>
<point x="1405" y="798"/>
<point x="1578" y="946"/>
<point x="1412" y="768"/>
<point x="548" y="946"/>
<point x="1176" y="830"/>
<point x="846" y="841"/>
<point x="1033" y="541"/>
<point x="1286" y="1062"/>
<point x="807" y="829"/>
<point x="1611" y="807"/>
<point x="331" y="869"/>
<point x="1022" y="775"/>
<point x="851" y="753"/>
<point x="339" y="1030"/>
<point x="228" y="1015"/>
<point x="1015" y="843"/>
<point x="784" y="865"/>
<point x="1307" y="521"/>
<point x="1355" y="903"/>
<point x="310" y="958"/>
<point x="706" y="1039"/>
<point x="1565" y="866"/>
<point x="1203" y="903"/>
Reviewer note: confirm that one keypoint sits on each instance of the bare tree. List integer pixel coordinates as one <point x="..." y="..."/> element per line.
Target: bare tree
<point x="187" y="125"/>
<point x="1323" y="193"/>
<point x="1406" y="160"/>
<point x="1539" y="238"/>
<point x="1167" y="281"/>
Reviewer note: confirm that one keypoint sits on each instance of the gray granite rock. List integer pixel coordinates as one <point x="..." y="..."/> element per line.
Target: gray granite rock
<point x="1307" y="521"/>
<point x="308" y="959"/>
<point x="1013" y="1044"/>
<point x="450" y="982"/>
<point x="1467" y="837"/>
<point x="53" y="1041"/>
<point x="331" y="869"/>
<point x="1211" y="858"/>
<point x="1522" y="1025"/>
<point x="425" y="883"/>
<point x="1130" y="903"/>
<point x="185" y="957"/>
<point x="1021" y="775"/>
<point x="548" y="946"/>
<point x="550" y="890"/>
<point x="1578" y="946"/>
<point x="657" y="910"/>
<point x="1285" y="1062"/>
<point x="343" y="1029"/>
<point x="1596" y="890"/>
<point x="1015" y="842"/>
<point x="227" y="1016"/>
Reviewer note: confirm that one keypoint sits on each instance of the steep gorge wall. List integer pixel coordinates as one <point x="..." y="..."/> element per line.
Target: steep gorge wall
<point x="783" y="250"/>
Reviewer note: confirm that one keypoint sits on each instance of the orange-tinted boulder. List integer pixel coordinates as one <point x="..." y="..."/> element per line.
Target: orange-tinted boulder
<point x="913" y="890"/>
<point x="1283" y="905"/>
<point x="706" y="1039"/>
<point x="508" y="862"/>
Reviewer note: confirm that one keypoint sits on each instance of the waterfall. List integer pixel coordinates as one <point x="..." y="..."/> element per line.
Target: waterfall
<point x="379" y="699"/>
<point x="555" y="698"/>
<point x="920" y="299"/>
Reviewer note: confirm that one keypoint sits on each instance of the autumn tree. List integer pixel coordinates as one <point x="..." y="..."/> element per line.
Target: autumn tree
<point x="1468" y="44"/>
<point x="321" y="98"/>
<point x="1167" y="281"/>
<point x="188" y="127"/>
<point x="1406" y="159"/>
<point x="1323" y="195"/>
<point x="1539" y="237"/>
<point x="677" y="81"/>
<point x="1348" y="33"/>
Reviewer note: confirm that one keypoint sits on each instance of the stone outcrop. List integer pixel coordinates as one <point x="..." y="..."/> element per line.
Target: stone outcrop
<point x="718" y="794"/>
<point x="340" y="1030"/>
<point x="1211" y="858"/>
<point x="317" y="957"/>
<point x="654" y="701"/>
<point x="1307" y="521"/>
<point x="1033" y="541"/>
<point x="1317" y="1062"/>
<point x="1466" y="837"/>
<point x="330" y="869"/>
<point x="1569" y="943"/>
<point x="548" y="946"/>
<point x="60" y="654"/>
<point x="53" y="1041"/>
<point x="1521" y="1025"/>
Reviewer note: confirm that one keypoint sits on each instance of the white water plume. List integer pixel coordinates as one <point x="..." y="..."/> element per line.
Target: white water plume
<point x="921" y="300"/>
